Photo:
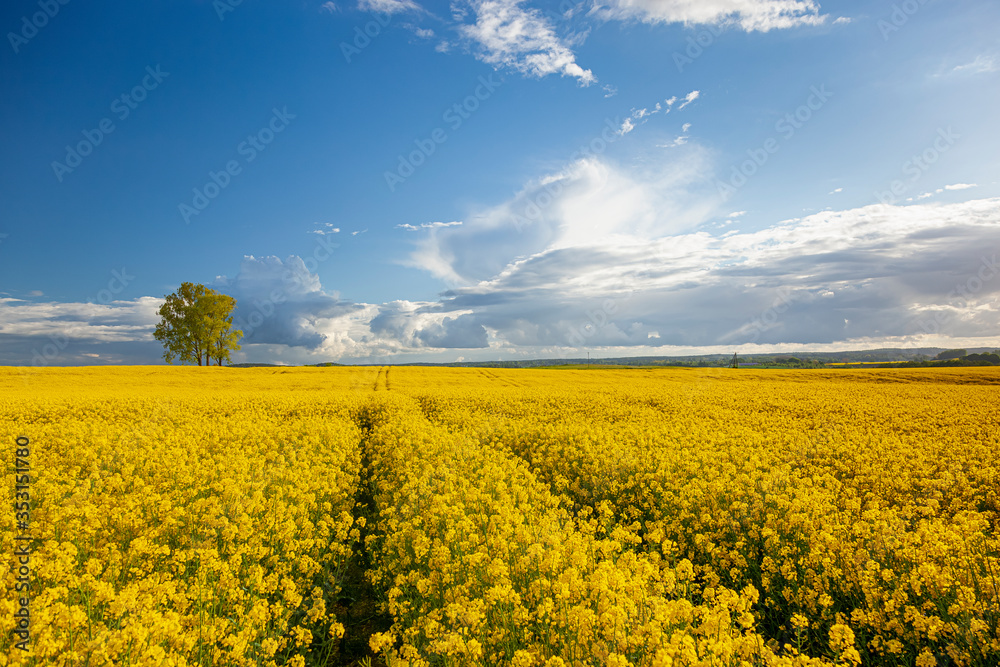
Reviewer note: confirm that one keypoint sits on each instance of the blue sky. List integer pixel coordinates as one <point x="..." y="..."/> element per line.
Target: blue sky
<point x="394" y="180"/>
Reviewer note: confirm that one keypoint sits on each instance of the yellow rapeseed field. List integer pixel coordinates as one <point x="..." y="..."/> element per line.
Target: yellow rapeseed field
<point x="210" y="516"/>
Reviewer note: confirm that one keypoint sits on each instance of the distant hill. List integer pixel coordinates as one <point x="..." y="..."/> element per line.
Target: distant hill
<point x="906" y="357"/>
<point x="254" y="365"/>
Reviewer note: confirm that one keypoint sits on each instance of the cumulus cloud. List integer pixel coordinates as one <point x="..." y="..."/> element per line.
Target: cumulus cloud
<point x="418" y="325"/>
<point x="893" y="273"/>
<point x="281" y="302"/>
<point x="286" y="313"/>
<point x="34" y="333"/>
<point x="505" y="33"/>
<point x="115" y="321"/>
<point x="593" y="257"/>
<point x="589" y="201"/>
<point x="749" y="15"/>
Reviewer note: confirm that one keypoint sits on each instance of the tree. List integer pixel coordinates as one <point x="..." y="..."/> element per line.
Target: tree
<point x="196" y="326"/>
<point x="950" y="354"/>
<point x="222" y="338"/>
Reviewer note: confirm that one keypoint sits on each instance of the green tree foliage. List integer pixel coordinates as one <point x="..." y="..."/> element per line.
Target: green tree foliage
<point x="950" y="354"/>
<point x="196" y="326"/>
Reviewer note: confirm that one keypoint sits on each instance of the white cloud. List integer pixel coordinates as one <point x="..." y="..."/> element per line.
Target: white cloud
<point x="679" y="140"/>
<point x="359" y="231"/>
<point x="983" y="64"/>
<point x="282" y="303"/>
<point x="330" y="7"/>
<point x="638" y="117"/>
<point x="511" y="34"/>
<point x="423" y="33"/>
<point x="843" y="20"/>
<point x="63" y="334"/>
<point x="588" y="201"/>
<point x="891" y="272"/>
<point x="749" y="15"/>
<point x="866" y="277"/>
<point x="325" y="229"/>
<point x="736" y="214"/>
<point x="116" y="321"/>
<point x="388" y="6"/>
<point x="836" y="191"/>
<point x="676" y="143"/>
<point x="507" y="34"/>
<point x="428" y="225"/>
<point x="689" y="98"/>
<point x="956" y="186"/>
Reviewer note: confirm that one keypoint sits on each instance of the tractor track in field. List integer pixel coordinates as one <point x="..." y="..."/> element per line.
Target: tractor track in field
<point x="358" y="605"/>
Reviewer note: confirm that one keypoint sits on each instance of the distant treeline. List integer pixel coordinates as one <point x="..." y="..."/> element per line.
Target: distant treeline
<point x="983" y="359"/>
<point x="884" y="358"/>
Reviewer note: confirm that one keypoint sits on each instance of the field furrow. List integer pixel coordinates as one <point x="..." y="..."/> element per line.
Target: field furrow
<point x="481" y="566"/>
